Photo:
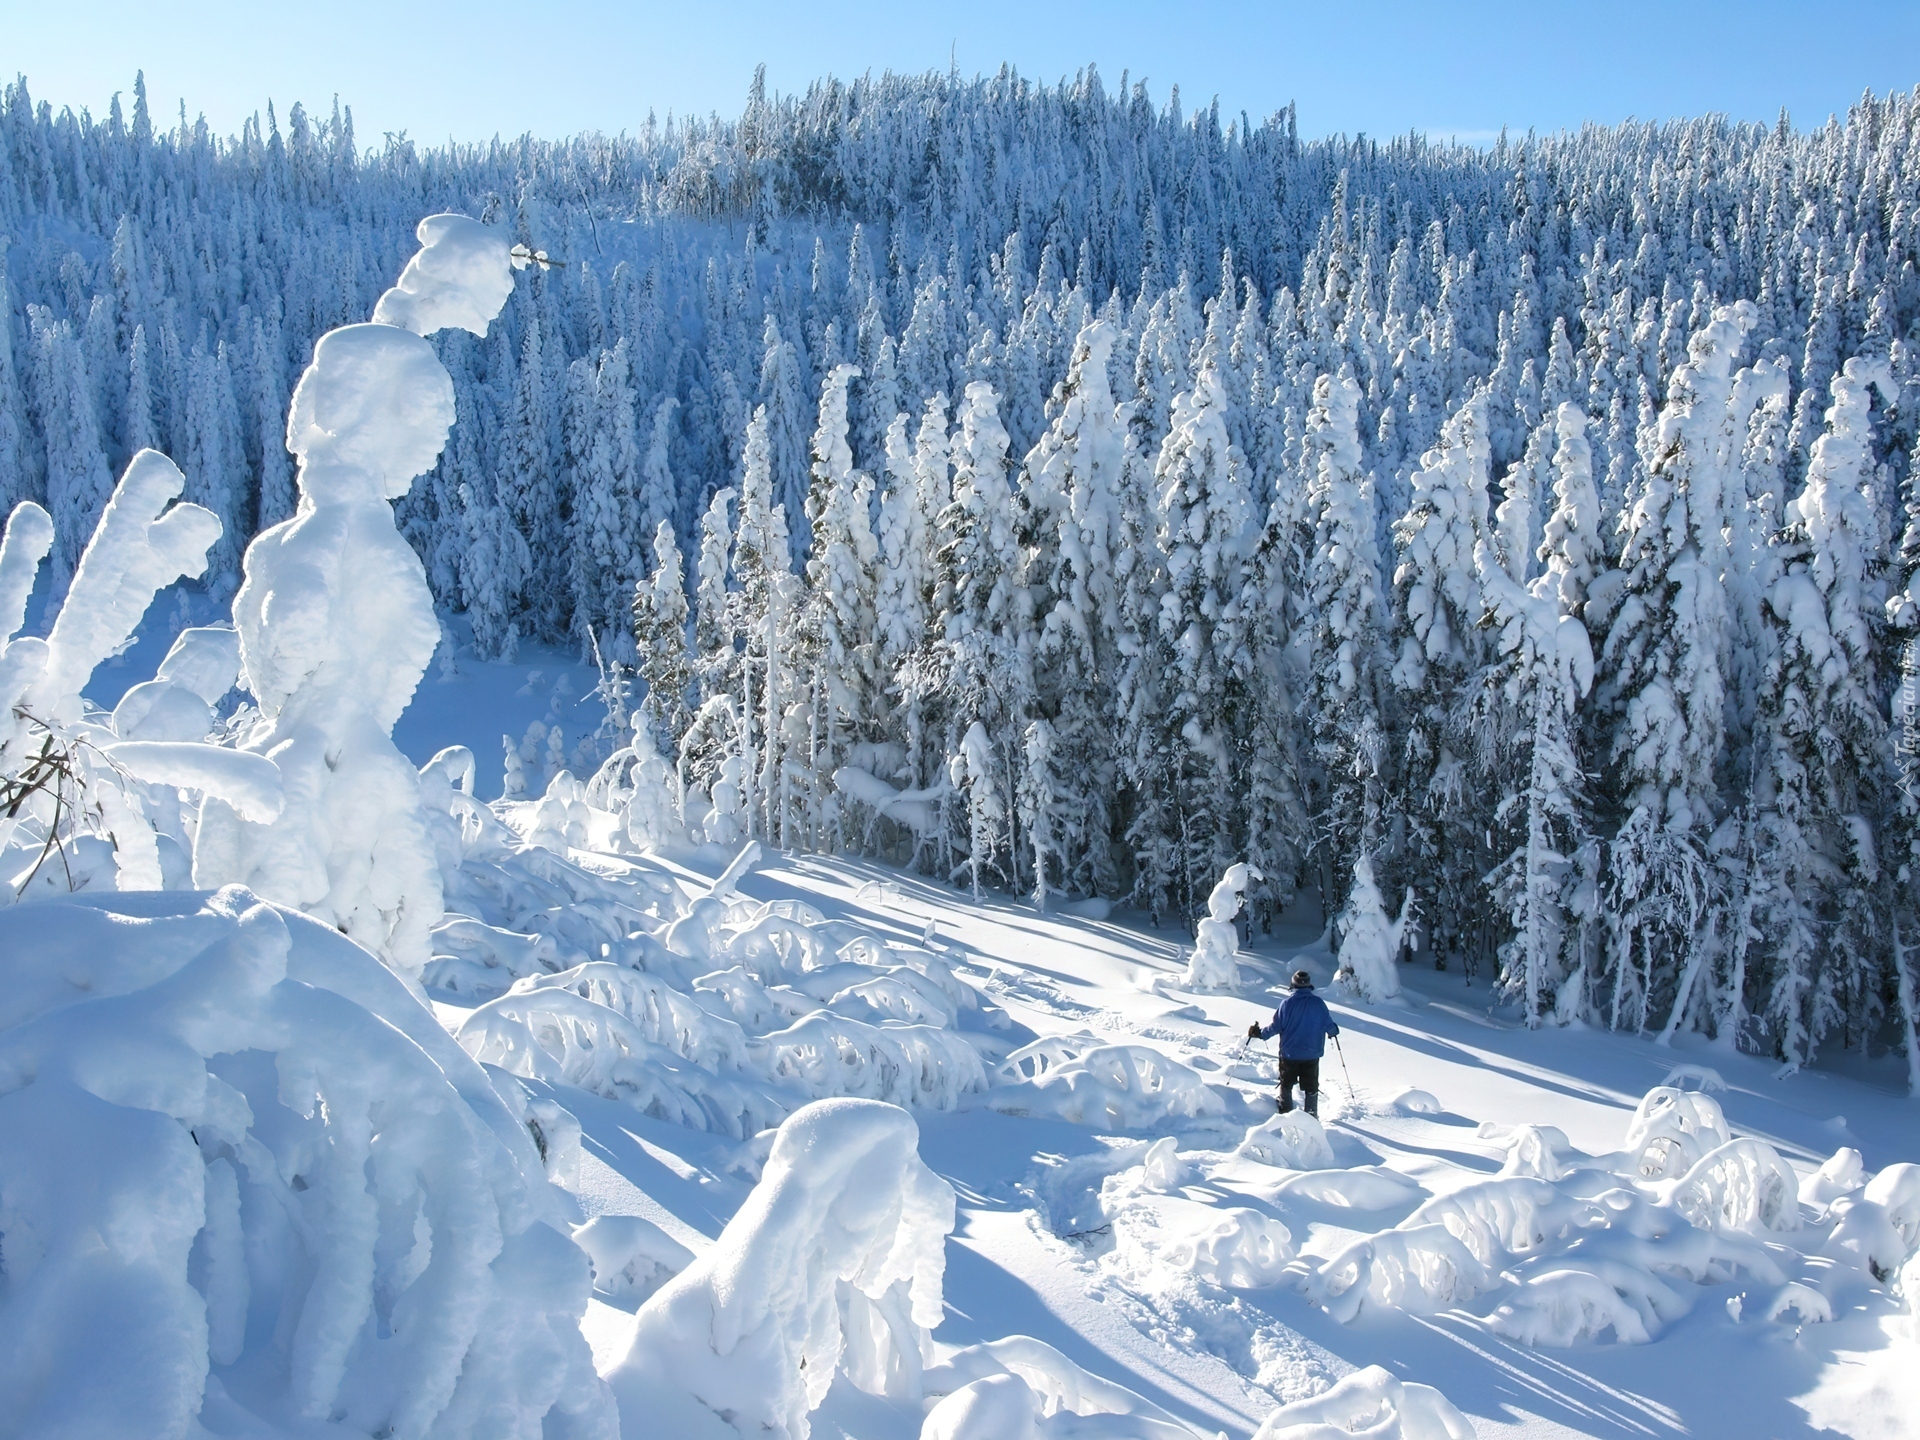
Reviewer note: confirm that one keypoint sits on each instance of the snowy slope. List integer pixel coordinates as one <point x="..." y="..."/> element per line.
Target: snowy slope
<point x="1062" y="1235"/>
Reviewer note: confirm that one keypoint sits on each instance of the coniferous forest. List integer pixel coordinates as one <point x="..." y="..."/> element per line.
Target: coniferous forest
<point x="1070" y="495"/>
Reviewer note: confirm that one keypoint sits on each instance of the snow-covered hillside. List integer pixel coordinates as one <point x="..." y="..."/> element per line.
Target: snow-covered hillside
<point x="336" y="1100"/>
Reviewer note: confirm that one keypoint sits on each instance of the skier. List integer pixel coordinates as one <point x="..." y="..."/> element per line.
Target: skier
<point x="1303" y="1025"/>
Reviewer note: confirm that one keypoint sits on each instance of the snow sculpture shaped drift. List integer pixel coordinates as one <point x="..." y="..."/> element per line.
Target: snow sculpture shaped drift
<point x="1215" y="940"/>
<point x="336" y="621"/>
<point x="834" y="1263"/>
<point x="247" y="1172"/>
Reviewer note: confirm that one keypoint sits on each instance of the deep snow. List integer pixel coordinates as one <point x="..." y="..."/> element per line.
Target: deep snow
<point x="1036" y="1252"/>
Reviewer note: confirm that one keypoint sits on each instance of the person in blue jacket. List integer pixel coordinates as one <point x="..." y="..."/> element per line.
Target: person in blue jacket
<point x="1303" y="1024"/>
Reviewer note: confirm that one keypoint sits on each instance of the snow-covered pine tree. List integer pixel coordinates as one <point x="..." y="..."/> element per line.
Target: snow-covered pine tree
<point x="1820" y="733"/>
<point x="1341" y="606"/>
<point x="764" y="596"/>
<point x="1664" y="691"/>
<point x="659" y="498"/>
<point x="1208" y="533"/>
<point x="989" y="682"/>
<point x="1542" y="668"/>
<point x="834" y="641"/>
<point x="1902" y="845"/>
<point x="660" y="641"/>
<point x="1078" y="465"/>
<point x="77" y="482"/>
<point x="1437" y="610"/>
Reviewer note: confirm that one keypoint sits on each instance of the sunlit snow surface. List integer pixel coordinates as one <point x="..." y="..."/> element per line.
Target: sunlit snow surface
<point x="1534" y="1223"/>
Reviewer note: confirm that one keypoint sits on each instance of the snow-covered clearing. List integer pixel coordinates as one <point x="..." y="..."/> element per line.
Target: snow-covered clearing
<point x="1179" y="1259"/>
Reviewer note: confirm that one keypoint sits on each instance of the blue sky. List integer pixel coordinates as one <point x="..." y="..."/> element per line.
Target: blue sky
<point x="554" y="67"/>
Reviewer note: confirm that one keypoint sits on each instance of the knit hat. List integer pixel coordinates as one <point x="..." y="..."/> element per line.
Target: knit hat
<point x="1302" y="980"/>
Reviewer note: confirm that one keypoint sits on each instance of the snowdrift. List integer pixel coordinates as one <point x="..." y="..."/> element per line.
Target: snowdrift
<point x="247" y="1174"/>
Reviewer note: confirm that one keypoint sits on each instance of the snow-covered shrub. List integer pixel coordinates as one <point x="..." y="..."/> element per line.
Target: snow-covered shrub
<point x="244" y="1168"/>
<point x="1369" y="940"/>
<point x="1532" y="1150"/>
<point x="981" y="1389"/>
<point x="1419" y="1268"/>
<point x="1840" y="1174"/>
<point x="834" y="1264"/>
<point x="1125" y="1086"/>
<point x="1293" y="1141"/>
<point x="1671" y="1130"/>
<point x="336" y="621"/>
<point x="1576" y="1306"/>
<point x="1236" y="1247"/>
<point x="1370" y="1402"/>
<point x="632" y="1257"/>
<point x="1879" y="1228"/>
<point x="1742" y="1185"/>
<point x="76" y="812"/>
<point x="1215" y="940"/>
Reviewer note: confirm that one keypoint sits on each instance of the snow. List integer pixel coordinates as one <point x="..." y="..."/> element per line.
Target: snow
<point x="539" y="1118"/>
<point x="1215" y="940"/>
<point x="336" y="624"/>
<point x="834" y="1262"/>
<point x="1373" y="1403"/>
<point x="247" y="1170"/>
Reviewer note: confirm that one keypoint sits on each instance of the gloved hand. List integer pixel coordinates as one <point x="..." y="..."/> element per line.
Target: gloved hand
<point x="1253" y="1032"/>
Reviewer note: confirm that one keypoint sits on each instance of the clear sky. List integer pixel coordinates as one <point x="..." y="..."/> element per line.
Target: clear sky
<point x="555" y="67"/>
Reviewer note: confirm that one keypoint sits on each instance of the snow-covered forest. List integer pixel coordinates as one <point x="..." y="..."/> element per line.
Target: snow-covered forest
<point x="1513" y="548"/>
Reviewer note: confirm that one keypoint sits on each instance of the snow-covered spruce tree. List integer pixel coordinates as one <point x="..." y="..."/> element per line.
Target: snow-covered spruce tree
<point x="1078" y="465"/>
<point x="607" y="514"/>
<point x="1664" y="692"/>
<point x="336" y="622"/>
<point x="1901" y="863"/>
<point x="1208" y="534"/>
<point x="834" y="640"/>
<point x="1820" y="733"/>
<point x="762" y="602"/>
<point x="1341" y="604"/>
<point x="1542" y="668"/>
<point x="1436" y="614"/>
<point x="660" y="642"/>
<point x="989" y="684"/>
<point x="916" y="590"/>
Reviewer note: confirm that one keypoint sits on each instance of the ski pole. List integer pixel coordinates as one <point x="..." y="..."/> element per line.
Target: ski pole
<point x="1339" y="1050"/>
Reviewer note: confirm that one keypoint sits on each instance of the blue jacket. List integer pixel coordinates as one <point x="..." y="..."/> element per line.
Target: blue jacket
<point x="1303" y="1024"/>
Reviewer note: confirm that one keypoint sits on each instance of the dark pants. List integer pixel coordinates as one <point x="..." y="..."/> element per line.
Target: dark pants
<point x="1305" y="1073"/>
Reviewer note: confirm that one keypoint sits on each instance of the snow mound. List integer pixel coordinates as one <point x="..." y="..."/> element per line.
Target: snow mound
<point x="833" y="1265"/>
<point x="1566" y="1252"/>
<point x="1022" y="1387"/>
<point x="242" y="1161"/>
<point x="1415" y="1102"/>
<point x="1373" y="1403"/>
<point x="1293" y="1141"/>
<point x="1129" y="1087"/>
